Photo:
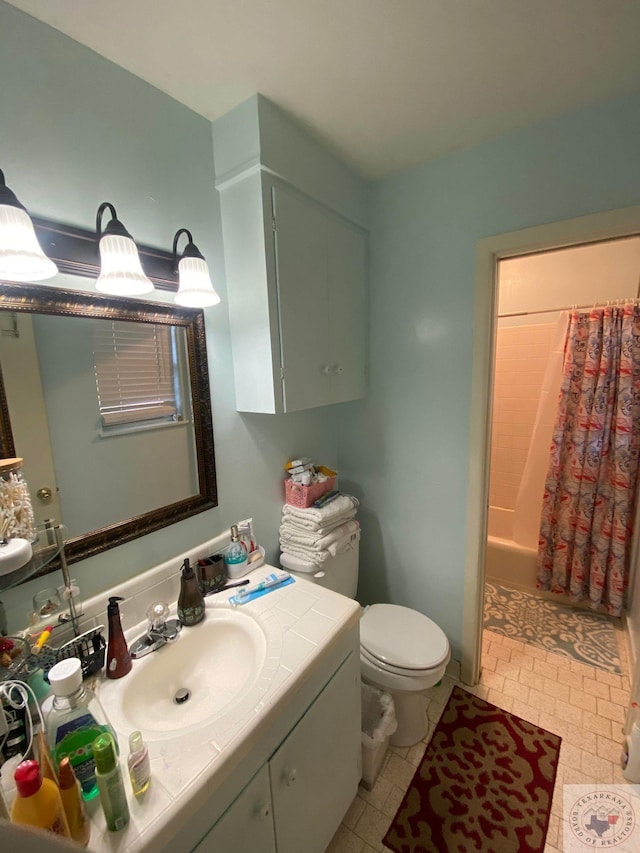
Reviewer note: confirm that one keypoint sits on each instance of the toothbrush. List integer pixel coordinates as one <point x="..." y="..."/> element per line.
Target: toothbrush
<point x="227" y="586"/>
<point x="267" y="583"/>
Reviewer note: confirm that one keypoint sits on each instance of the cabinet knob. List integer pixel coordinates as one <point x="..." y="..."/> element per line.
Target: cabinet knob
<point x="263" y="812"/>
<point x="290" y="776"/>
<point x="44" y="494"/>
<point x="326" y="370"/>
<point x="338" y="369"/>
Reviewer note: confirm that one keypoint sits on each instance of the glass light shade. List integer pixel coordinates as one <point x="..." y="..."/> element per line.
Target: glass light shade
<point x="21" y="258"/>
<point x="196" y="289"/>
<point x="121" y="272"/>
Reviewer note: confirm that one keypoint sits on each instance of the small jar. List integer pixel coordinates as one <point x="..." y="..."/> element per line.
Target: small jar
<point x="16" y="512"/>
<point x="46" y="603"/>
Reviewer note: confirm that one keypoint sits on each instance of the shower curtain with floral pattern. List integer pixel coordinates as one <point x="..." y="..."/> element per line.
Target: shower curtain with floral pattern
<point x="590" y="491"/>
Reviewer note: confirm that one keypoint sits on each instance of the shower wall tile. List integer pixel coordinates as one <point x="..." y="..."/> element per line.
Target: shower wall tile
<point x="521" y="360"/>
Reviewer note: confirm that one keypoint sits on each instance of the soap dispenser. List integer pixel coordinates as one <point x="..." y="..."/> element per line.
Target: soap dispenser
<point x="190" y="600"/>
<point x="118" y="657"/>
<point x="235" y="558"/>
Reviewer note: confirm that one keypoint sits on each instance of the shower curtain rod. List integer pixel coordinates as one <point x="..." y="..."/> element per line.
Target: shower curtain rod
<point x="570" y="308"/>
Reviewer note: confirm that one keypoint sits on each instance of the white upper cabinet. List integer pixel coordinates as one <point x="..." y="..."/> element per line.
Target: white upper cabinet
<point x="296" y="277"/>
<point x="346" y="280"/>
<point x="295" y="246"/>
<point x="320" y="281"/>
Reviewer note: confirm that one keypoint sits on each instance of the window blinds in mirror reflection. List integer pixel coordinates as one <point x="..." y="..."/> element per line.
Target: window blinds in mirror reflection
<point x="137" y="373"/>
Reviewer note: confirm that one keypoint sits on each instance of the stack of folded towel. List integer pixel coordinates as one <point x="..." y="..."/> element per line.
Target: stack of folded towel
<point x="310" y="536"/>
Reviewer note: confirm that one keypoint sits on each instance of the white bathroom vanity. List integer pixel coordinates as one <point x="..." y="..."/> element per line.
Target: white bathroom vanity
<point x="265" y="755"/>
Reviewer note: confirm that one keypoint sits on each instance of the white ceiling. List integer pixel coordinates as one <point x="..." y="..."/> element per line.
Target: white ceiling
<point x="384" y="84"/>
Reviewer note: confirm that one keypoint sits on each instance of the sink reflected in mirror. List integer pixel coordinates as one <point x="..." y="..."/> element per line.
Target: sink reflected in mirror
<point x="222" y="666"/>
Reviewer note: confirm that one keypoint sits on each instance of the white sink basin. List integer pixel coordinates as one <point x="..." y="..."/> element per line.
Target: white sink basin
<point x="221" y="663"/>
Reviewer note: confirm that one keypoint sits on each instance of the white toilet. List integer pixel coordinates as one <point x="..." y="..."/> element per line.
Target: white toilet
<point x="401" y="651"/>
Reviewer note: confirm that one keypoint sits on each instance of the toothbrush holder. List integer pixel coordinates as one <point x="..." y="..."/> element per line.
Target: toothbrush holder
<point x="211" y="573"/>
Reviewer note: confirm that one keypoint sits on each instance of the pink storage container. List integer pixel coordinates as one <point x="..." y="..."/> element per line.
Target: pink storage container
<point x="304" y="496"/>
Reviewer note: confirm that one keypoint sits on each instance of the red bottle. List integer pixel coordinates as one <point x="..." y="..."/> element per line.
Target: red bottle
<point x="118" y="657"/>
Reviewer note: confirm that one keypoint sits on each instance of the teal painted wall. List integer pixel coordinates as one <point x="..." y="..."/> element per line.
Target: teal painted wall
<point x="405" y="448"/>
<point x="76" y="131"/>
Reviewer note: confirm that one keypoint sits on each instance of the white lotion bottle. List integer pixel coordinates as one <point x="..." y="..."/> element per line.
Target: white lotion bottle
<point x="138" y="764"/>
<point x="631" y="755"/>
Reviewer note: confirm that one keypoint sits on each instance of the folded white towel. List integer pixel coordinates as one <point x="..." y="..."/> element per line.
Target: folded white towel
<point x="290" y="522"/>
<point x="338" y="547"/>
<point x="307" y="554"/>
<point x="343" y="507"/>
<point x="300" y="536"/>
<point x="313" y="540"/>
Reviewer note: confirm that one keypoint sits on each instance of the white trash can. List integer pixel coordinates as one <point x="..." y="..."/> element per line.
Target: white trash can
<point x="378" y="724"/>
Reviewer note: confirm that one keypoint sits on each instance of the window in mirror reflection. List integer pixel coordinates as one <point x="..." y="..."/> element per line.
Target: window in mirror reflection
<point x="50" y="383"/>
<point x="139" y="373"/>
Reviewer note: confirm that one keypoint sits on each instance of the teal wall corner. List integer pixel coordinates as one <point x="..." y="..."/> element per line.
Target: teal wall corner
<point x="405" y="448"/>
<point x="79" y="130"/>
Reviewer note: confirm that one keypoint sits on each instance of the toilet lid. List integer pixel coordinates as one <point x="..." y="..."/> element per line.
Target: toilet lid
<point x="402" y="637"/>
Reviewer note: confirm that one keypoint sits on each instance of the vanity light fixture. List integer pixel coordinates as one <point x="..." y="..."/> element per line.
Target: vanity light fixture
<point x="196" y="289"/>
<point x="121" y="272"/>
<point x="21" y="257"/>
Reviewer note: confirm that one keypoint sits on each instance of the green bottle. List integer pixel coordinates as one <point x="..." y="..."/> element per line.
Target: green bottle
<point x="110" y="783"/>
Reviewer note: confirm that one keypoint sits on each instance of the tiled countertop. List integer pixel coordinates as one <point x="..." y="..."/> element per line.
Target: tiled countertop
<point x="301" y="622"/>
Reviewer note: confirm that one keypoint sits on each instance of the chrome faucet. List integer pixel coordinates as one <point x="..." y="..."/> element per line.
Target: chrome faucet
<point x="160" y="631"/>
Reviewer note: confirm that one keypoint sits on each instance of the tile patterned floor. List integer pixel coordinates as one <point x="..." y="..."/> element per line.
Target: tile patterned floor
<point x="584" y="705"/>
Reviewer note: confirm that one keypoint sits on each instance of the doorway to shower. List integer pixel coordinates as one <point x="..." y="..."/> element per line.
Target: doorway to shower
<point x="534" y="294"/>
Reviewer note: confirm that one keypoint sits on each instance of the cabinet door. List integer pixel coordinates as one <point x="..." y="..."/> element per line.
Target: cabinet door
<point x="247" y="825"/>
<point x="346" y="261"/>
<point x="315" y="772"/>
<point x="301" y="274"/>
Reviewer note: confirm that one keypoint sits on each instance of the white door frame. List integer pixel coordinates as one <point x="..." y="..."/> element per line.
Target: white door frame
<point x="624" y="222"/>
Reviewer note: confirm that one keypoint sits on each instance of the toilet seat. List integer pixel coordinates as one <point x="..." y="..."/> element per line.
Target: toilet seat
<point x="402" y="641"/>
<point x="396" y="670"/>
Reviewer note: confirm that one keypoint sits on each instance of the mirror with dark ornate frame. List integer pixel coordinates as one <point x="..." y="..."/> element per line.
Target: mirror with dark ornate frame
<point x="75" y="253"/>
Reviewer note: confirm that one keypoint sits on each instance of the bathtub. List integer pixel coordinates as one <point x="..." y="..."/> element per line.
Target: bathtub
<point x="507" y="562"/>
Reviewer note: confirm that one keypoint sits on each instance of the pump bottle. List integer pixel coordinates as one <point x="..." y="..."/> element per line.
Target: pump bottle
<point x="118" y="657"/>
<point x="235" y="558"/>
<point x="190" y="600"/>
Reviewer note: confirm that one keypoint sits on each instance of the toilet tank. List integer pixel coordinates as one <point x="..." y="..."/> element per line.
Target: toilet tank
<point x="339" y="574"/>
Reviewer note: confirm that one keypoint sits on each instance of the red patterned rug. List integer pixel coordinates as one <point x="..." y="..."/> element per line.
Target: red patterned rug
<point x="485" y="784"/>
